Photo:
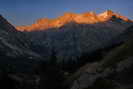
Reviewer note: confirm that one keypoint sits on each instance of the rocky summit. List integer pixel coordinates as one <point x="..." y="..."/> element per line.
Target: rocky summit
<point x="84" y="18"/>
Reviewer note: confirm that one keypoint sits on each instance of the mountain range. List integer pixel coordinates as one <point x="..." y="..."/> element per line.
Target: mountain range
<point x="85" y="18"/>
<point x="73" y="51"/>
<point x="69" y="37"/>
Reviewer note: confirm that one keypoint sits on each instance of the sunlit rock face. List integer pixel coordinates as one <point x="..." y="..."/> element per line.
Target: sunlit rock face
<point x="84" y="18"/>
<point x="108" y="14"/>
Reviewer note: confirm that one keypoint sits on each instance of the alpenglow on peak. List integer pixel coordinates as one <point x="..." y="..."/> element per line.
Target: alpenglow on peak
<point x="83" y="18"/>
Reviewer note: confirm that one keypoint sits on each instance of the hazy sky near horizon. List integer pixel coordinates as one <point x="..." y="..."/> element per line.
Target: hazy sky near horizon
<point x="22" y="12"/>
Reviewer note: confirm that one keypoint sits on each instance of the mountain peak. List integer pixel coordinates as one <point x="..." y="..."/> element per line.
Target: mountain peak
<point x="5" y="25"/>
<point x="89" y="13"/>
<point x="106" y="14"/>
<point x="42" y="20"/>
<point x="69" y="14"/>
<point x="109" y="11"/>
<point x="83" y="18"/>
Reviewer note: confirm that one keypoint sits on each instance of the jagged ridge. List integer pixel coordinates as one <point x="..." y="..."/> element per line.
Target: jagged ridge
<point x="85" y="18"/>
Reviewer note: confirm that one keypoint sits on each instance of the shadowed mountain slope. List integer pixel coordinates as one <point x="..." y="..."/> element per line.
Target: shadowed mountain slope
<point x="14" y="47"/>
